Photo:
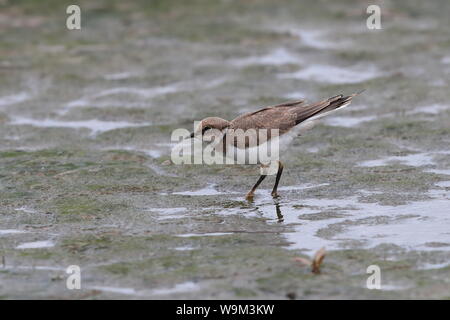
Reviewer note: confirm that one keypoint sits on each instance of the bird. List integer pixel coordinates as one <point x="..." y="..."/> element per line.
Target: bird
<point x="288" y="120"/>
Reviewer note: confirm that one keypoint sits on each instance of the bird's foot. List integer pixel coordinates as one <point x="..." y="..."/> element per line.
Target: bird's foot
<point x="250" y="196"/>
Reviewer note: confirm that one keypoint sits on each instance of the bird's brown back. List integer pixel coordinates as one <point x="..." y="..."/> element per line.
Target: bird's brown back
<point x="287" y="115"/>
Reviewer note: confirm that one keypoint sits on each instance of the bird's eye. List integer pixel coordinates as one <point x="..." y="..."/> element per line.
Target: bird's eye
<point x="205" y="128"/>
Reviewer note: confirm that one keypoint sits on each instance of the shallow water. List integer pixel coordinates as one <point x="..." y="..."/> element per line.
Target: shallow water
<point x="85" y="125"/>
<point x="276" y="57"/>
<point x="332" y="74"/>
<point x="207" y="191"/>
<point x="36" y="245"/>
<point x="10" y="231"/>
<point x="316" y="39"/>
<point x="95" y="126"/>
<point x="347" y="122"/>
<point x="179" y="288"/>
<point x="362" y="224"/>
<point x="416" y="160"/>
<point x="14" y="99"/>
<point x="433" y="109"/>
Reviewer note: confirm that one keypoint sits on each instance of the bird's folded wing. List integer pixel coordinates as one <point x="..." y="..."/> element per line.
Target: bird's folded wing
<point x="286" y="116"/>
<point x="279" y="117"/>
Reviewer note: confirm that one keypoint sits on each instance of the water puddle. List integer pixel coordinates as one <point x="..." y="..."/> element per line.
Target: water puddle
<point x="349" y="223"/>
<point x="438" y="171"/>
<point x="35" y="268"/>
<point x="25" y="209"/>
<point x="313" y="38"/>
<point x="159" y="171"/>
<point x="185" y="248"/>
<point x="155" y="151"/>
<point x="446" y="60"/>
<point x="120" y="76"/>
<point x="335" y="75"/>
<point x="140" y="97"/>
<point x="316" y="39"/>
<point x="316" y="148"/>
<point x="411" y="226"/>
<point x="14" y="99"/>
<point x="125" y="291"/>
<point x="394" y="287"/>
<point x="267" y="192"/>
<point x="297" y="95"/>
<point x="429" y="266"/>
<point x="208" y="234"/>
<point x="169" y="213"/>
<point x="179" y="288"/>
<point x="10" y="231"/>
<point x="301" y="187"/>
<point x="276" y="57"/>
<point x="347" y="122"/>
<point x="98" y="100"/>
<point x="207" y="191"/>
<point x="432" y="109"/>
<point x="146" y="93"/>
<point x="36" y="245"/>
<point x="443" y="184"/>
<point x="95" y="126"/>
<point x="414" y="160"/>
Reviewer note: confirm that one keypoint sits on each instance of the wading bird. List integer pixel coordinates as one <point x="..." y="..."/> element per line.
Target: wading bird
<point x="288" y="119"/>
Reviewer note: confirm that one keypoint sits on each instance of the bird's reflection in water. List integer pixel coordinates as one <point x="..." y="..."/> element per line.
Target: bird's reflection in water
<point x="280" y="217"/>
<point x="278" y="211"/>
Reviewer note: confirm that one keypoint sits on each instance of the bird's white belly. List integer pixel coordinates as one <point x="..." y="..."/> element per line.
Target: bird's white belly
<point x="262" y="154"/>
<point x="265" y="153"/>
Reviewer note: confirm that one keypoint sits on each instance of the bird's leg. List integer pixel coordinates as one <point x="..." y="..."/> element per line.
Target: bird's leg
<point x="280" y="171"/>
<point x="251" y="193"/>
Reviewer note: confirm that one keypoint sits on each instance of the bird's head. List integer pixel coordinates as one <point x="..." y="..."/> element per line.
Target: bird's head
<point x="210" y="126"/>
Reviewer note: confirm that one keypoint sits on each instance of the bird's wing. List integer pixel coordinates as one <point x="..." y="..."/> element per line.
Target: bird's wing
<point x="296" y="103"/>
<point x="280" y="117"/>
<point x="285" y="116"/>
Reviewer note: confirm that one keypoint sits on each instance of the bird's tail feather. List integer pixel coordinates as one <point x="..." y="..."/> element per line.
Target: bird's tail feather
<point x="325" y="107"/>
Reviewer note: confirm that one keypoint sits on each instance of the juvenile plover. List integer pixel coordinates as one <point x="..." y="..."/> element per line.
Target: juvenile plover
<point x="288" y="119"/>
